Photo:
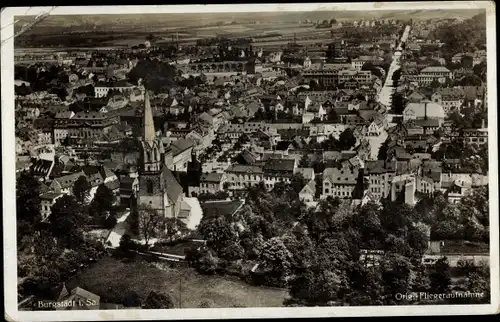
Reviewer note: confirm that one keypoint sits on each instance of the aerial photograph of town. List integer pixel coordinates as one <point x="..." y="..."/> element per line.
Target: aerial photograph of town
<point x="258" y="159"/>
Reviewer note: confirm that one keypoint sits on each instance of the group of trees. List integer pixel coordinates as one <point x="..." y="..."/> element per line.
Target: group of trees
<point x="345" y="142"/>
<point x="467" y="220"/>
<point x="148" y="224"/>
<point x="52" y="250"/>
<point x="472" y="158"/>
<point x="315" y="253"/>
<point x="378" y="70"/>
<point x="49" y="79"/>
<point x="466" y="36"/>
<point x="250" y="234"/>
<point x="326" y="23"/>
<point x="156" y="75"/>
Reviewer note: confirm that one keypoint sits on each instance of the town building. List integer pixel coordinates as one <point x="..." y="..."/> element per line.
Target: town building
<point x="423" y="111"/>
<point x="158" y="188"/>
<point x="47" y="200"/>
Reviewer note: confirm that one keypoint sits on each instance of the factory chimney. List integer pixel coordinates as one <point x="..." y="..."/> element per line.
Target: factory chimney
<point x="425" y="109"/>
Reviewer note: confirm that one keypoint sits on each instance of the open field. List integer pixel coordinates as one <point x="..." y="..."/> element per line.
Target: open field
<point x="176" y="20"/>
<point x="142" y="277"/>
<point x="305" y="34"/>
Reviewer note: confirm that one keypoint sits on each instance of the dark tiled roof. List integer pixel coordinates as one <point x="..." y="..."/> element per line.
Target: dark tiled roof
<point x="279" y="165"/>
<point x="174" y="189"/>
<point x="283" y="145"/>
<point x="212" y="177"/>
<point x="220" y="208"/>
<point x="238" y="168"/>
<point x="181" y="145"/>
<point x="41" y="167"/>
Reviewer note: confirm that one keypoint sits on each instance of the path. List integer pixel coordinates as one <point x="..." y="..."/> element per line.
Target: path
<point x="120" y="228"/>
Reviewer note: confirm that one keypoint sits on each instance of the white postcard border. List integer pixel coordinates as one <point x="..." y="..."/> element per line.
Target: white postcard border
<point x="8" y="163"/>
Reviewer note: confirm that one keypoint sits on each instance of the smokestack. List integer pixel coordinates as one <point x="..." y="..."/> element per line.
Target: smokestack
<point x="425" y="111"/>
<point x="483" y="123"/>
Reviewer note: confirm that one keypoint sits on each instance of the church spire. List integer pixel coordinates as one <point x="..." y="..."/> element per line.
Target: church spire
<point x="149" y="133"/>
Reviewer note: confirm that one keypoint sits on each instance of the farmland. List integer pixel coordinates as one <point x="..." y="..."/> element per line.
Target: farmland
<point x="265" y="34"/>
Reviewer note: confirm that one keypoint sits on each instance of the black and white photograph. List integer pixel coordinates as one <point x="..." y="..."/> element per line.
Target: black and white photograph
<point x="249" y="160"/>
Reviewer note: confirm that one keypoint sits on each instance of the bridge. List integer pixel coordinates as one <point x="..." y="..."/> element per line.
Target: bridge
<point x="214" y="67"/>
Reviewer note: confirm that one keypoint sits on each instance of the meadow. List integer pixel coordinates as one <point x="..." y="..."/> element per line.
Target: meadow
<point x="187" y="288"/>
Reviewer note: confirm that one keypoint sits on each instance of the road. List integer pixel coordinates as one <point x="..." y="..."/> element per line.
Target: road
<point x="385" y="95"/>
<point x="375" y="143"/>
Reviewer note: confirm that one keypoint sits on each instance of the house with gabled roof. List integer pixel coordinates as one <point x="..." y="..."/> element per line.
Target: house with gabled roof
<point x="65" y="183"/>
<point x="212" y="182"/>
<point x="47" y="200"/>
<point x="278" y="170"/>
<point x="416" y="97"/>
<point x="339" y="182"/>
<point x="376" y="127"/>
<point x="308" y="192"/>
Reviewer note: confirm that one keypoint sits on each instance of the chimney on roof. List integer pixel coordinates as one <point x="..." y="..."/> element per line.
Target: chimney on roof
<point x="425" y="110"/>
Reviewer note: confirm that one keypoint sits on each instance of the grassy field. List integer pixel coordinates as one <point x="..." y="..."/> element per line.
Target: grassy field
<point x="142" y="277"/>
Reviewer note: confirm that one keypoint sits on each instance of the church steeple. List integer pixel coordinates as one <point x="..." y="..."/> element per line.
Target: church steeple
<point x="152" y="147"/>
<point x="149" y="133"/>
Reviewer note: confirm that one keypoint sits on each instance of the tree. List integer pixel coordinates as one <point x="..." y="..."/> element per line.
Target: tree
<point x="302" y="249"/>
<point x="346" y="139"/>
<point x="151" y="223"/>
<point x="203" y="260"/>
<point x="158" y="300"/>
<point x="275" y="262"/>
<point x="304" y="161"/>
<point x="297" y="182"/>
<point x="478" y="281"/>
<point x="174" y="226"/>
<point x="232" y="252"/>
<point x="27" y="200"/>
<point x="316" y="286"/>
<point x="103" y="198"/>
<point x="470" y="80"/>
<point x="218" y="232"/>
<point x="440" y="277"/>
<point x="366" y="285"/>
<point x="81" y="189"/>
<point x="480" y="70"/>
<point x="398" y="103"/>
<point x="332" y="115"/>
<point x="127" y="245"/>
<point x="396" y="270"/>
<point x="67" y="221"/>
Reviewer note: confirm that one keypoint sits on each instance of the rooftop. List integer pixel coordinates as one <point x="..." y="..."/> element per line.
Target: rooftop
<point x="220" y="208"/>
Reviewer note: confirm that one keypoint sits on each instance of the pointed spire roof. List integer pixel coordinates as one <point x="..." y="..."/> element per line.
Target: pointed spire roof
<point x="149" y="133"/>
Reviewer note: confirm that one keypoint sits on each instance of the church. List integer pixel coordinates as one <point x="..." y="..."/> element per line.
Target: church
<point x="158" y="187"/>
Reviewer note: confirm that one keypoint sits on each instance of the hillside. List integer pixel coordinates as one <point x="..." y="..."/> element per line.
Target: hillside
<point x="467" y="35"/>
<point x="54" y="23"/>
